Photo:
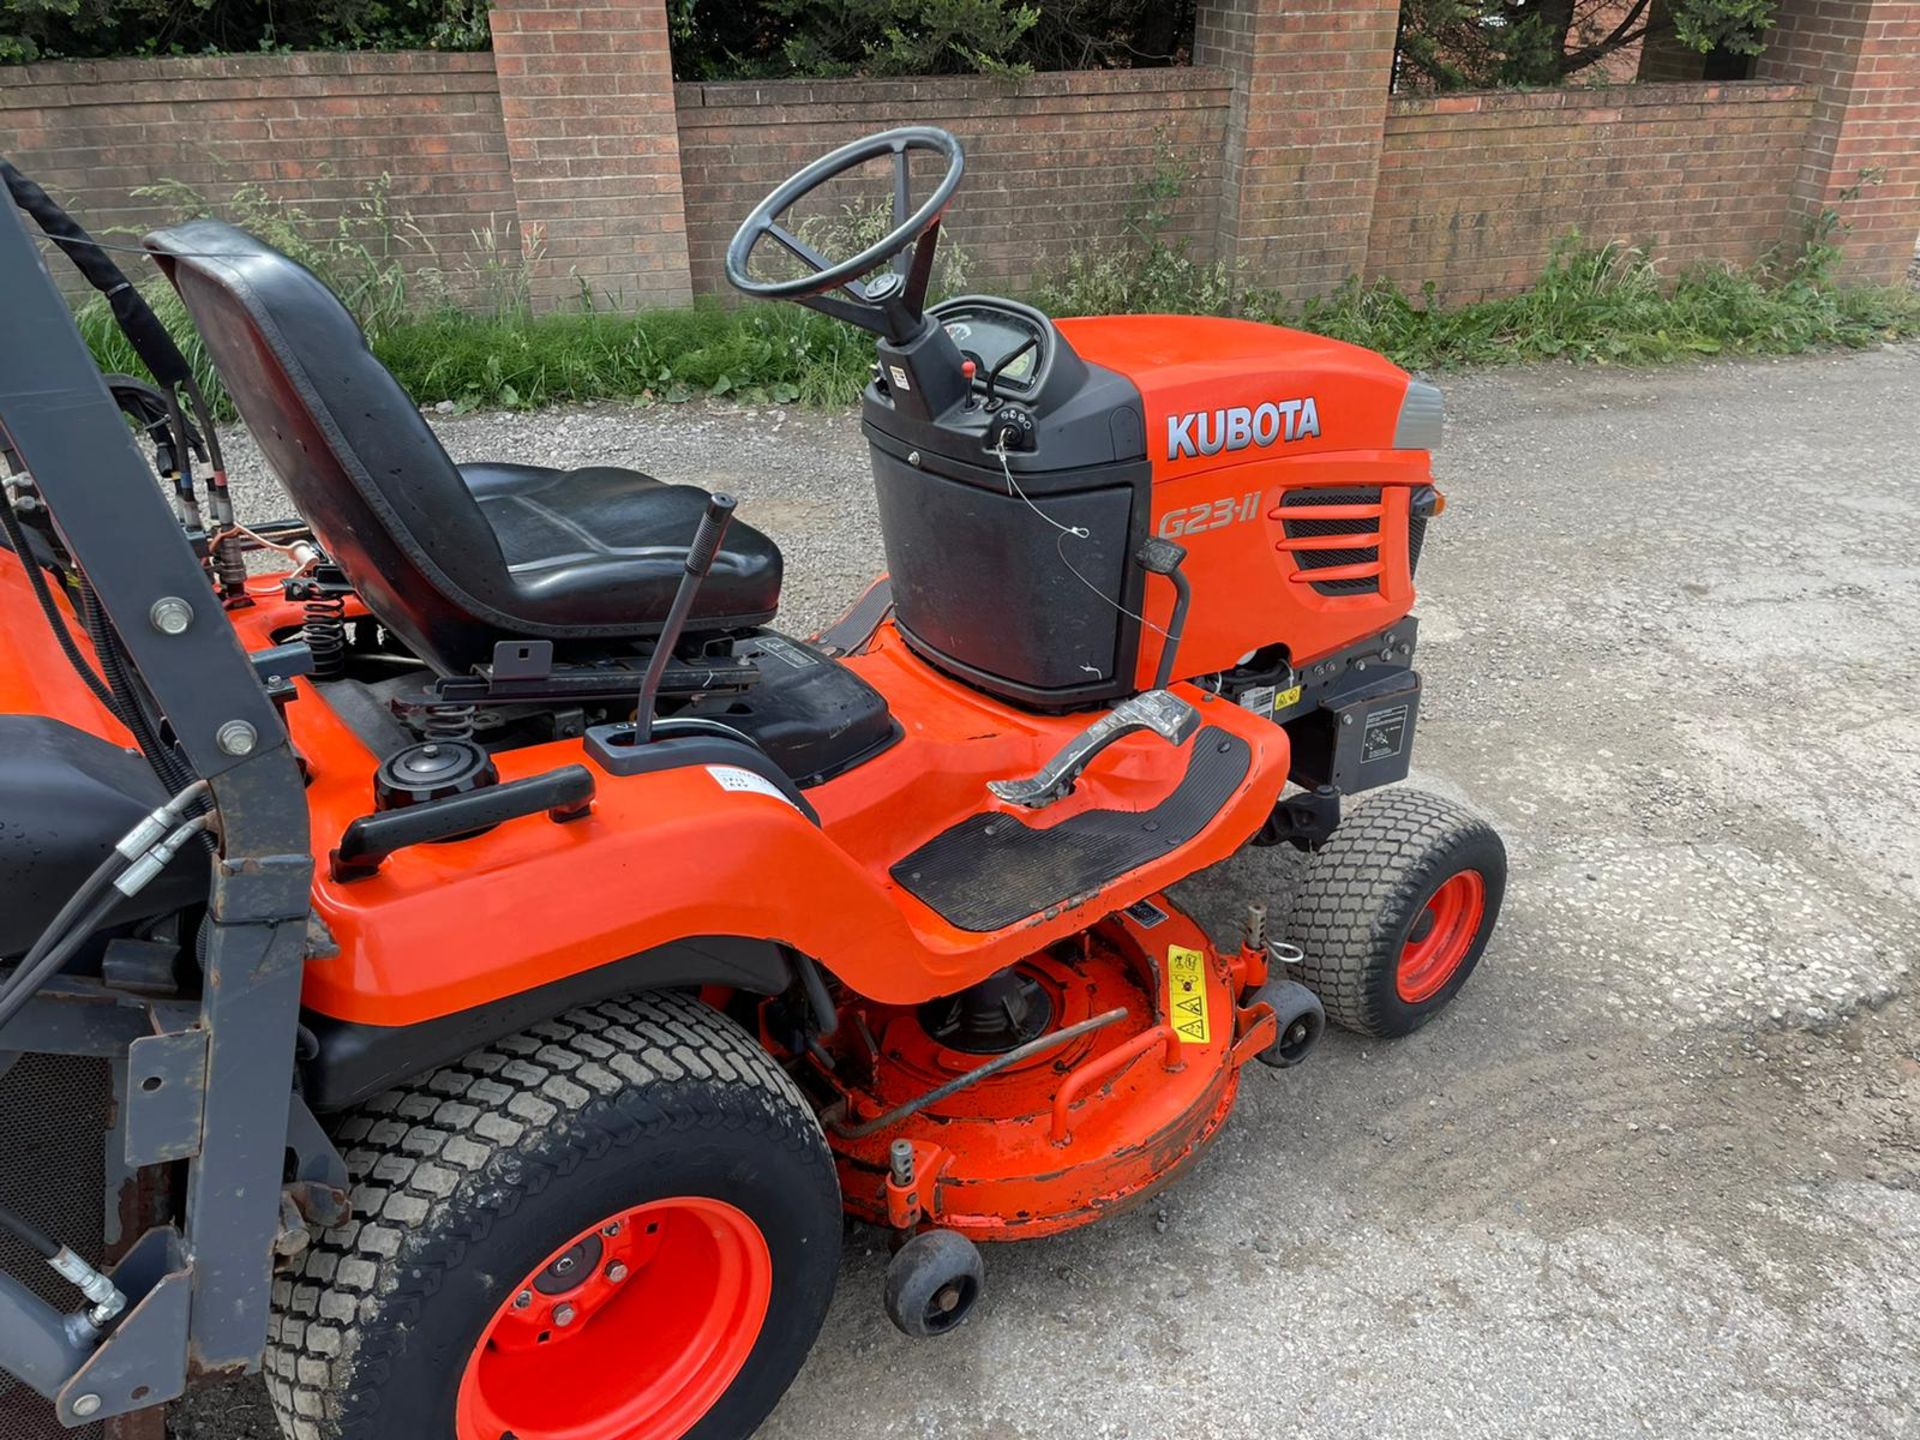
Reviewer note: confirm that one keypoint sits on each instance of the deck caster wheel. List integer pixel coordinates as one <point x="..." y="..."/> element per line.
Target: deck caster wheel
<point x="1394" y="912"/>
<point x="933" y="1283"/>
<point x="1302" y="1022"/>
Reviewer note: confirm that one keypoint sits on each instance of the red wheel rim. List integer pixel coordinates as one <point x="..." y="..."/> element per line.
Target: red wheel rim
<point x="1441" y="937"/>
<point x="630" y="1331"/>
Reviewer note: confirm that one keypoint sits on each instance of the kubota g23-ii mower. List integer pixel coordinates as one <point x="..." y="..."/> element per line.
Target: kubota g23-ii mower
<point x="509" y="956"/>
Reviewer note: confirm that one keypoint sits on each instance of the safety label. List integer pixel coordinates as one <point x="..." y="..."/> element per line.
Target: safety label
<point x="745" y="782"/>
<point x="1285" y="699"/>
<point x="1385" y="735"/>
<point x="1187" y="994"/>
<point x="1145" y="914"/>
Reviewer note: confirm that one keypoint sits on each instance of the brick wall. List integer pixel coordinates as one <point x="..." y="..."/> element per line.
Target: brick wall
<point x="587" y="96"/>
<point x="316" y="130"/>
<point x="1475" y="189"/>
<point x="1310" y="80"/>
<point x="1054" y="161"/>
<point x="571" y="147"/>
<point x="1861" y="60"/>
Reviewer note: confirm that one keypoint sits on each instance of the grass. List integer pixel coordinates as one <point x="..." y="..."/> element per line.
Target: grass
<point x="1603" y="305"/>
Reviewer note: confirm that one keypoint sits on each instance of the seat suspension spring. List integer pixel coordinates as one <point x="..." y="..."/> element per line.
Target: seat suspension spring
<point x="325" y="633"/>
<point x="448" y="722"/>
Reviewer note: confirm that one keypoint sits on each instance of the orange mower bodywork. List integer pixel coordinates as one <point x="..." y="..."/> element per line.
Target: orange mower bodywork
<point x="643" y="941"/>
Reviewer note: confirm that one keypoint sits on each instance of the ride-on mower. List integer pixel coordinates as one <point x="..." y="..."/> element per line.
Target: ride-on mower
<point x="508" y="957"/>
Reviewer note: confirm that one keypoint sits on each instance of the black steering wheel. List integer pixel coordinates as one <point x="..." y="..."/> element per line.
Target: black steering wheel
<point x="911" y="227"/>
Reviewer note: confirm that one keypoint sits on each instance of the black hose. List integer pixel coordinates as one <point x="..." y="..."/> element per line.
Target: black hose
<point x="37" y="582"/>
<point x="32" y="973"/>
<point x="135" y="317"/>
<point x="133" y="713"/>
<point x="27" y="1235"/>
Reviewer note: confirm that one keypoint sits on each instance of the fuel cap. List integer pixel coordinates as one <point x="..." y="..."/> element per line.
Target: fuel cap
<point x="432" y="770"/>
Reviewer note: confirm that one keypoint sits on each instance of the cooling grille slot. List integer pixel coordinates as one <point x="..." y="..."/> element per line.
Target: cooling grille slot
<point x="1338" y="549"/>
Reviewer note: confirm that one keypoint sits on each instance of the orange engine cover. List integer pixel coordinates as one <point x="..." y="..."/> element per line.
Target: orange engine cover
<point x="1275" y="463"/>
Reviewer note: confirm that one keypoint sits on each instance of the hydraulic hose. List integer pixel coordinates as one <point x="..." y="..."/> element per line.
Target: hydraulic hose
<point x="173" y="771"/>
<point x="107" y="1299"/>
<point x="87" y="909"/>
<point x="37" y="582"/>
<point x="28" y="1235"/>
<point x="136" y="319"/>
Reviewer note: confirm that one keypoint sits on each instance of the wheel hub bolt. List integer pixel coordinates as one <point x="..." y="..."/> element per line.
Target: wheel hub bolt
<point x="565" y="1315"/>
<point x="523" y="1300"/>
<point x="610" y="1230"/>
<point x="616" y="1272"/>
<point x="564" y="1265"/>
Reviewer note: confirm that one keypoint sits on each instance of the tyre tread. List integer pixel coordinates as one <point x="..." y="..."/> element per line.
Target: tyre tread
<point x="419" y="1155"/>
<point x="1372" y="868"/>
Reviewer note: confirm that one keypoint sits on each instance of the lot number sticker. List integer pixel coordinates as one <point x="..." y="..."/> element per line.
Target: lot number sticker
<point x="1187" y="993"/>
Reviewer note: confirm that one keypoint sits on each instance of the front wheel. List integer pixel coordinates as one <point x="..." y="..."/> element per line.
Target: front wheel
<point x="1395" y="910"/>
<point x="623" y="1224"/>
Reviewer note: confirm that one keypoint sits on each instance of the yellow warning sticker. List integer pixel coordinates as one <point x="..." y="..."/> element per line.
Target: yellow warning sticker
<point x="1187" y="993"/>
<point x="1284" y="698"/>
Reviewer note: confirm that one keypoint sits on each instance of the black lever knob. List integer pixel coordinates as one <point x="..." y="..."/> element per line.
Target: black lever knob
<point x="706" y="540"/>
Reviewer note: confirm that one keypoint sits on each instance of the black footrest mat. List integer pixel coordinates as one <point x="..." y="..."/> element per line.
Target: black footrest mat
<point x="991" y="870"/>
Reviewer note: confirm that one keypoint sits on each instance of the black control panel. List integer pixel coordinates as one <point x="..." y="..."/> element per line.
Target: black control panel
<point x="1013" y="481"/>
<point x="1008" y="344"/>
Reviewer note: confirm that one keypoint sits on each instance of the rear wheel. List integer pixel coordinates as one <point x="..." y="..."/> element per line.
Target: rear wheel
<point x="621" y="1225"/>
<point x="1395" y="910"/>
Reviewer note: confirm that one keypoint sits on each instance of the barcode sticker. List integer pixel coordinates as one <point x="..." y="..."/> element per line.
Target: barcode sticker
<point x="745" y="782"/>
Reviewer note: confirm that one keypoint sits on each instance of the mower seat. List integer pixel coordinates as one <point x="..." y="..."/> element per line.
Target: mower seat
<point x="451" y="558"/>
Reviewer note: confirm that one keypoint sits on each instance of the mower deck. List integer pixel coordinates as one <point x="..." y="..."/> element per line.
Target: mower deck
<point x="1073" y="1133"/>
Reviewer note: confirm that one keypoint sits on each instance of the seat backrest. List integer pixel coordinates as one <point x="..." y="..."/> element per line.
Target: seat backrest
<point x="360" y="464"/>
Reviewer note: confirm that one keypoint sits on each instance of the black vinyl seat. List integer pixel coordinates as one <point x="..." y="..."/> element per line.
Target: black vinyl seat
<point x="451" y="558"/>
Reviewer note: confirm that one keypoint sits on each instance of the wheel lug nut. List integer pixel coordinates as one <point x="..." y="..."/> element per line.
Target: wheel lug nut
<point x="616" y="1272"/>
<point x="565" y="1315"/>
<point x="523" y="1299"/>
<point x="610" y="1230"/>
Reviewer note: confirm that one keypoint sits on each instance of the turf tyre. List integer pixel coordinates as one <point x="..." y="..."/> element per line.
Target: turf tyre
<point x="1364" y="892"/>
<point x="465" y="1179"/>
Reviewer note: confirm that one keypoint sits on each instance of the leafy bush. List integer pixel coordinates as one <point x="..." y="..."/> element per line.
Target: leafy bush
<point x="1481" y="44"/>
<point x="724" y="39"/>
<point x="89" y="29"/>
<point x="904" y="37"/>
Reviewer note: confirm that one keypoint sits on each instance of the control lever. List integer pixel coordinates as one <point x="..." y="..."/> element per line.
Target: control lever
<point x="700" y="557"/>
<point x="1164" y="557"/>
<point x="1167" y="715"/>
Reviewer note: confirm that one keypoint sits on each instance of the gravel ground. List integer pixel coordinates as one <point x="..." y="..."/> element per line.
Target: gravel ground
<point x="1657" y="1172"/>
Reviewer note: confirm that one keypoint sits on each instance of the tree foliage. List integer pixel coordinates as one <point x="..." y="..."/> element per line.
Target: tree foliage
<point x="1485" y="44"/>
<point x="90" y="29"/>
<point x="725" y="39"/>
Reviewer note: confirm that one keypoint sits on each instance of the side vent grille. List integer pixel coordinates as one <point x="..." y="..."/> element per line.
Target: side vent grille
<point x="1338" y="549"/>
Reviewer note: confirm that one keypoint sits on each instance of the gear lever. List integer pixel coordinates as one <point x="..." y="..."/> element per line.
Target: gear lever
<point x="700" y="558"/>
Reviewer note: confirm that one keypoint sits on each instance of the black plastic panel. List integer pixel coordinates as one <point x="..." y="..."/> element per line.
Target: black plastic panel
<point x="983" y="581"/>
<point x="65" y="798"/>
<point x="991" y="870"/>
<point x="812" y="716"/>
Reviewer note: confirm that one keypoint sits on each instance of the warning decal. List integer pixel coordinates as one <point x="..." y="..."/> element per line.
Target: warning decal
<point x="1187" y="993"/>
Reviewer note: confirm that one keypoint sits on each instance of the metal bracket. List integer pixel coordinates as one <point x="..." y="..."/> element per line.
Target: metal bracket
<point x="144" y="1361"/>
<point x="1305" y="820"/>
<point x="1160" y="711"/>
<point x="166" y="1097"/>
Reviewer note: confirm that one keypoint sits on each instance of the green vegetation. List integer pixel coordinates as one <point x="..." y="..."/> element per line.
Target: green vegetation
<point x="91" y="29"/>
<point x="1484" y="44"/>
<point x="1605" y="305"/>
<point x="712" y="39"/>
<point x="727" y="39"/>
